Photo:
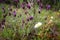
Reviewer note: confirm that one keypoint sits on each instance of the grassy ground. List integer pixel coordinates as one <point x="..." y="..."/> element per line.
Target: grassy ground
<point x="14" y="29"/>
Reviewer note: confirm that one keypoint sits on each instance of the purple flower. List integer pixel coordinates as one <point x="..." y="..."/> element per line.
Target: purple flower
<point x="10" y="9"/>
<point x="26" y="12"/>
<point x="38" y="1"/>
<point x="2" y="26"/>
<point x="4" y="15"/>
<point x="31" y="18"/>
<point x="28" y="5"/>
<point x="48" y="7"/>
<point x="3" y="9"/>
<point x="41" y="6"/>
<point x="38" y="11"/>
<point x="23" y="21"/>
<point x="9" y="14"/>
<point x="3" y="22"/>
<point x="14" y="13"/>
<point x="28" y="19"/>
<point x="23" y="5"/>
<point x="16" y="0"/>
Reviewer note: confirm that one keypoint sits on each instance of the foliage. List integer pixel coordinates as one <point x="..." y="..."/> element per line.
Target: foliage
<point x="21" y="26"/>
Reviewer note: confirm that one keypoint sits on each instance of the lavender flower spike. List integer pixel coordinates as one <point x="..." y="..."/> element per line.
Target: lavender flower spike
<point x="14" y="13"/>
<point x="31" y="17"/>
<point x="48" y="7"/>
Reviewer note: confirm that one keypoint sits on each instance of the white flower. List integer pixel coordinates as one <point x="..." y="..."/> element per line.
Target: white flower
<point x="51" y="17"/>
<point x="38" y="25"/>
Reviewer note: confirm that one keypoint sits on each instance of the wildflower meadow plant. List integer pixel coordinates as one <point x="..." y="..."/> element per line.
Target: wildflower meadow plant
<point x="23" y="5"/>
<point x="4" y="16"/>
<point x="28" y="5"/>
<point x="41" y="6"/>
<point x="48" y="7"/>
<point x="39" y="11"/>
<point x="14" y="13"/>
<point x="38" y="2"/>
<point x="3" y="9"/>
<point x="31" y="18"/>
<point x="3" y="21"/>
<point x="24" y="23"/>
<point x="16" y="0"/>
<point x="27" y="19"/>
